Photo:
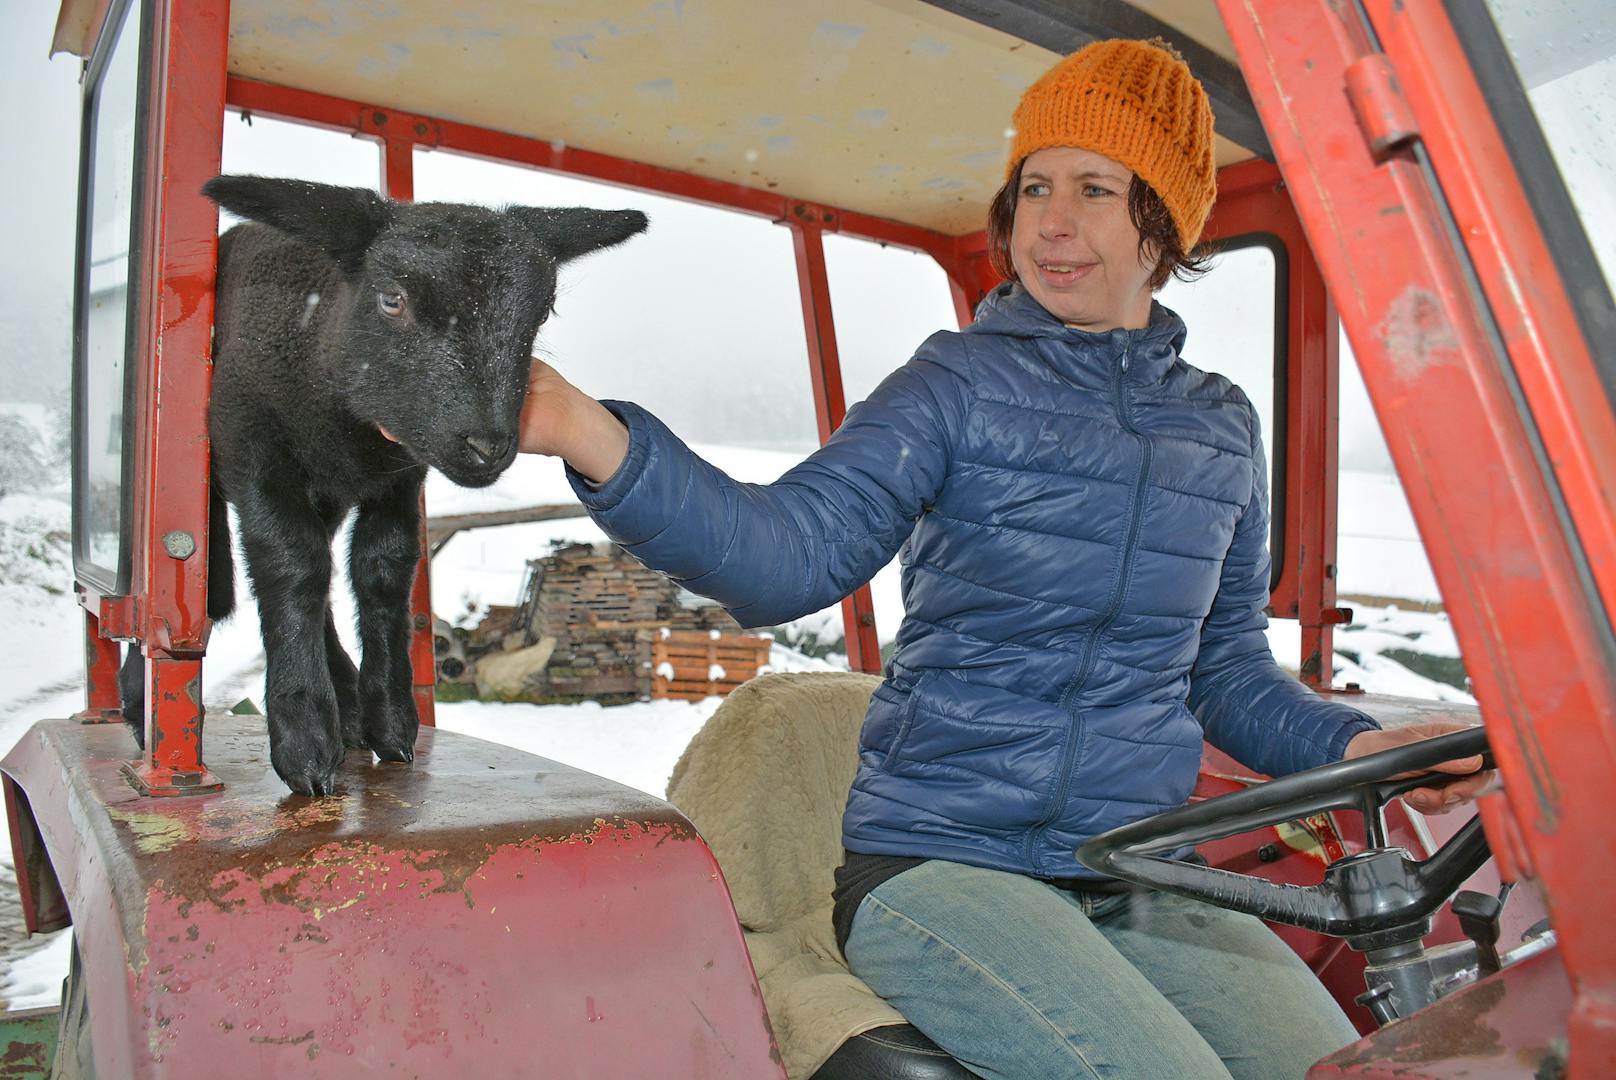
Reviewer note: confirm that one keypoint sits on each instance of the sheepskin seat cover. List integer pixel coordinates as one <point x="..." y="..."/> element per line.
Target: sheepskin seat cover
<point x="765" y="782"/>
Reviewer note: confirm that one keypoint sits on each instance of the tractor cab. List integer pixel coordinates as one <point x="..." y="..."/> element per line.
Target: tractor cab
<point x="1422" y="177"/>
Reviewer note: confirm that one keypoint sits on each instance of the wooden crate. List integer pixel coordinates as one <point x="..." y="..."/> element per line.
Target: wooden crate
<point x="693" y="664"/>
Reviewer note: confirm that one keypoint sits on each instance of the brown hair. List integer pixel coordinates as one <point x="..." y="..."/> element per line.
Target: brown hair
<point x="1146" y="209"/>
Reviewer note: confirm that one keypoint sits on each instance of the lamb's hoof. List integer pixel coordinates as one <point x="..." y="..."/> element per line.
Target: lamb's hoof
<point x="311" y="783"/>
<point x="390" y="731"/>
<point x="402" y="753"/>
<point x="307" y="767"/>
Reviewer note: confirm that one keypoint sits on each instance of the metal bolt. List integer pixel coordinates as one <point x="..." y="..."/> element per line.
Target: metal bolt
<point x="419" y="622"/>
<point x="1268" y="853"/>
<point x="379" y="117"/>
<point x="420" y="128"/>
<point x="179" y="545"/>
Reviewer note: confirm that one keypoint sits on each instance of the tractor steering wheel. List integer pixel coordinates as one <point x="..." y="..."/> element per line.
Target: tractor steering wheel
<point x="1375" y="898"/>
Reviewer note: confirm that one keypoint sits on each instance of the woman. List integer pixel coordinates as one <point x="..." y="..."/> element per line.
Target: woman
<point x="1084" y="520"/>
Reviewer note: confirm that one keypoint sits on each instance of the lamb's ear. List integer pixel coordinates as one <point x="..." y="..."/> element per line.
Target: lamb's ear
<point x="340" y="221"/>
<point x="569" y="232"/>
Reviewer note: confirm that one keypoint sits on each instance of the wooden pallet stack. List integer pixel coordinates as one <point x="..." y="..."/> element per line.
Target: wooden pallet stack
<point x="693" y="664"/>
<point x="616" y="624"/>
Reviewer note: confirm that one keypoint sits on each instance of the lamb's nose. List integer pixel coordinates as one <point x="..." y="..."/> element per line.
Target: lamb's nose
<point x="489" y="448"/>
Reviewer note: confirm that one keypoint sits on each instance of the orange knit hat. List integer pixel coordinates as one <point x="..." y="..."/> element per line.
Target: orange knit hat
<point x="1137" y="103"/>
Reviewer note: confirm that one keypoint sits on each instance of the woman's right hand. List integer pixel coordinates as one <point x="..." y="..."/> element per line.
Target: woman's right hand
<point x="560" y="420"/>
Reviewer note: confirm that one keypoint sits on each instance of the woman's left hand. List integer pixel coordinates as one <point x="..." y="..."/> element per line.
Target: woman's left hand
<point x="1429" y="800"/>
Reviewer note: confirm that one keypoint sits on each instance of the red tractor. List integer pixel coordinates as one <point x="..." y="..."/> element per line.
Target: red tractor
<point x="489" y="913"/>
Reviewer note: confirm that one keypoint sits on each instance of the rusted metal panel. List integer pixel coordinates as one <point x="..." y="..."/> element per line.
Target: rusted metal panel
<point x="102" y="704"/>
<point x="483" y="912"/>
<point x="173" y="332"/>
<point x="44" y="908"/>
<point x="1509" y="1025"/>
<point x="172" y="763"/>
<point x="27" y="1043"/>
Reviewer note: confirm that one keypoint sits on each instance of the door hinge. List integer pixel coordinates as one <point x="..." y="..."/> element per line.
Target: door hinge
<point x="1377" y="98"/>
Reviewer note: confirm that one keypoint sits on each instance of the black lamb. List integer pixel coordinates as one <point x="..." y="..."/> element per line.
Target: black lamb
<point x="358" y="341"/>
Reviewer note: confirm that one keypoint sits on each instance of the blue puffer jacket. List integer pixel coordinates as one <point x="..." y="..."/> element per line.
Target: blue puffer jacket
<point x="1084" y="525"/>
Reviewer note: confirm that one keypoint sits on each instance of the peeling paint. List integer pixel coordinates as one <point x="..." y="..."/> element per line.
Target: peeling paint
<point x="154" y="833"/>
<point x="315" y="931"/>
<point x="840" y="35"/>
<point x="1416" y="332"/>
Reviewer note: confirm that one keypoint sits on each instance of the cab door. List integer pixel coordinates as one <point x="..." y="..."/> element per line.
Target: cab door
<point x="1459" y="236"/>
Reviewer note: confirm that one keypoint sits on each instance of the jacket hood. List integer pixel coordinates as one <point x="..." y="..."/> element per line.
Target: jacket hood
<point x="1011" y="311"/>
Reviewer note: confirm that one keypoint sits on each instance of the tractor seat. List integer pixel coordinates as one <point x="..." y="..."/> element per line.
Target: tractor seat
<point x="898" y="1052"/>
<point x="765" y="782"/>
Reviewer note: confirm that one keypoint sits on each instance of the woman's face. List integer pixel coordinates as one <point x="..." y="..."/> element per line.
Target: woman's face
<point x="1072" y="243"/>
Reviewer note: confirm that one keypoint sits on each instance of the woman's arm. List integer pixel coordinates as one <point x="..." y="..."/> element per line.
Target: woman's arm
<point x="1261" y="716"/>
<point x="1248" y="705"/>
<point x="767" y="552"/>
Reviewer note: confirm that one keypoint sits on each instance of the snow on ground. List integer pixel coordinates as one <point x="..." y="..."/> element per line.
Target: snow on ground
<point x="635" y="744"/>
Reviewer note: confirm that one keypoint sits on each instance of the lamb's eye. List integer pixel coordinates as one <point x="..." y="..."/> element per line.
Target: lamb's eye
<point x="390" y="303"/>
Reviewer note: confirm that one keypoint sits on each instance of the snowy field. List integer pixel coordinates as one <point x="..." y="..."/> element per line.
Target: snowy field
<point x="635" y="744"/>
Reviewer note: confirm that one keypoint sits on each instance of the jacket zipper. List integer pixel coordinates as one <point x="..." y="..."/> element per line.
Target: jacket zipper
<point x="1086" y="665"/>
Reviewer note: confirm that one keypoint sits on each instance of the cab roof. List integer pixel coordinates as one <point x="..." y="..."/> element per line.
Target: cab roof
<point x="893" y="108"/>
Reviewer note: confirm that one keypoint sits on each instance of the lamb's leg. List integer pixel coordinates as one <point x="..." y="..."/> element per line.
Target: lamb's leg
<point x="289" y="564"/>
<point x="344" y="676"/>
<point x="132" y="692"/>
<point x="382" y="556"/>
<point x="345" y="682"/>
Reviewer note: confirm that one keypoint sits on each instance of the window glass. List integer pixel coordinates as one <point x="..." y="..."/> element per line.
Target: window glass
<point x="1565" y="55"/>
<point x="1380" y="558"/>
<point x="1231" y="315"/>
<point x="264" y="147"/>
<point x="697" y="318"/>
<point x="1399" y="641"/>
<point x="105" y="276"/>
<point x="886" y="301"/>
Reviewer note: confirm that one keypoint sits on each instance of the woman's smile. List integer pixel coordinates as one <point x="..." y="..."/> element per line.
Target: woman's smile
<point x="1063" y="273"/>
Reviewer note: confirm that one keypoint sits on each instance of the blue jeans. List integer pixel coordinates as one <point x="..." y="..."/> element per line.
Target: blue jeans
<point x="1019" y="980"/>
